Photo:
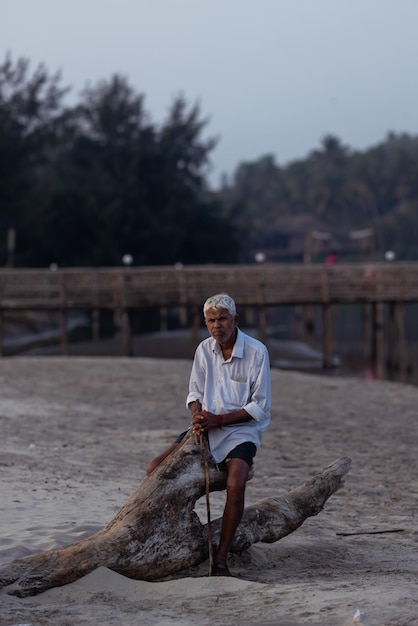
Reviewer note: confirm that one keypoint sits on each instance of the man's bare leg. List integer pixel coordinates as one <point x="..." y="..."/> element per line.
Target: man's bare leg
<point x="238" y="471"/>
<point x="160" y="458"/>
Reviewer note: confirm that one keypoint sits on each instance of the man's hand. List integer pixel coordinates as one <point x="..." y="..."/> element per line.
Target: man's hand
<point x="203" y="420"/>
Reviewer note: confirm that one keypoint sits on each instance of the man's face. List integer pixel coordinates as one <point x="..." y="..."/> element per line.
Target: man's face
<point x="221" y="325"/>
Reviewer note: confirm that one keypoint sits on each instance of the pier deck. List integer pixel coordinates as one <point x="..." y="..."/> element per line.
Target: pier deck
<point x="257" y="286"/>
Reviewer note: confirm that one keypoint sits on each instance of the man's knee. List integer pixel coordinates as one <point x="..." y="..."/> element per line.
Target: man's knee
<point x="235" y="493"/>
<point x="238" y="472"/>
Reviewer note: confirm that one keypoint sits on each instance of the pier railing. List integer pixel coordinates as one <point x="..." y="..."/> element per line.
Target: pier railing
<point x="259" y="286"/>
<point x="251" y="285"/>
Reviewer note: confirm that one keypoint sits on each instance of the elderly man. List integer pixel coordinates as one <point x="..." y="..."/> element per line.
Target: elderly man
<point x="229" y="397"/>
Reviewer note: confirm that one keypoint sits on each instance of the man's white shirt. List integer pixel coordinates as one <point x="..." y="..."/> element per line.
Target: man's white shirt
<point x="241" y="382"/>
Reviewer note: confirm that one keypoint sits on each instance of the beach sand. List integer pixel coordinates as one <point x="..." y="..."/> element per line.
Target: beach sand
<point x="77" y="434"/>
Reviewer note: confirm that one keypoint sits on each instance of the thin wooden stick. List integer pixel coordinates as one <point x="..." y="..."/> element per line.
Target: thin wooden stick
<point x="371" y="532"/>
<point x="207" y="484"/>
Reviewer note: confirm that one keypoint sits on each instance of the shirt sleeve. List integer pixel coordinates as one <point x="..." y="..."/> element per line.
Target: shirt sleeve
<point x="260" y="402"/>
<point x="196" y="381"/>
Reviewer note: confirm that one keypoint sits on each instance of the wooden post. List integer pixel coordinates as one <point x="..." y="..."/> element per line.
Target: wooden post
<point x="95" y="311"/>
<point x="182" y="315"/>
<point x="397" y="353"/>
<point x="402" y="345"/>
<point x="163" y="318"/>
<point x="63" y="317"/>
<point x="298" y="322"/>
<point x="194" y="339"/>
<point x="327" y="335"/>
<point x="378" y="344"/>
<point x="391" y="358"/>
<point x="250" y="317"/>
<point x="126" y="331"/>
<point x="262" y="324"/>
<point x="326" y="321"/>
<point x="95" y="325"/>
<point x="10" y="249"/>
<point x="367" y="320"/>
<point x="124" y="317"/>
<point x="308" y="324"/>
<point x="261" y="309"/>
<point x="64" y="333"/>
<point x="182" y="288"/>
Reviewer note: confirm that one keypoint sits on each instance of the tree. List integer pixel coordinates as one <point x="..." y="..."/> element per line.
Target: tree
<point x="30" y="112"/>
<point x="131" y="187"/>
<point x="87" y="184"/>
<point x="254" y="199"/>
<point x="101" y="177"/>
<point x="345" y="189"/>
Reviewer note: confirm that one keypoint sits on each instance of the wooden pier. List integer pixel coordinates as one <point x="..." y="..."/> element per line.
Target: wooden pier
<point x="252" y="286"/>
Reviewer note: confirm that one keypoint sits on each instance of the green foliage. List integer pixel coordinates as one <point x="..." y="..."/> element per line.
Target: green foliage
<point x="342" y="189"/>
<point x="88" y="183"/>
<point x="96" y="181"/>
<point x="30" y="109"/>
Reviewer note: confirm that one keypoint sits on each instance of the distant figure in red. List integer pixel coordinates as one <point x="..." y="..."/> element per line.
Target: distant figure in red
<point x="331" y="258"/>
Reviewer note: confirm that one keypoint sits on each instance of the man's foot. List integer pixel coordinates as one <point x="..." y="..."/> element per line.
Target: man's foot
<point x="220" y="569"/>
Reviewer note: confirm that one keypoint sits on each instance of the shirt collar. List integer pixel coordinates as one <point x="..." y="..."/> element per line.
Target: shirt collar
<point x="237" y="350"/>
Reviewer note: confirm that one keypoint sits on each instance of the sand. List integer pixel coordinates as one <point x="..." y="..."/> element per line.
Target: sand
<point x="77" y="434"/>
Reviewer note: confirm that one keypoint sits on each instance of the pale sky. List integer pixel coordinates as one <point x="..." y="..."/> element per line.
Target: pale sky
<point x="272" y="76"/>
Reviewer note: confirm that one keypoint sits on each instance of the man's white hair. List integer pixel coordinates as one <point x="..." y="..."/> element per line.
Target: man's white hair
<point x="220" y="301"/>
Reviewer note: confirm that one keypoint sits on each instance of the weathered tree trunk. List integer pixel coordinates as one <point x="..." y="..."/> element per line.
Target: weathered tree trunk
<point x="157" y="532"/>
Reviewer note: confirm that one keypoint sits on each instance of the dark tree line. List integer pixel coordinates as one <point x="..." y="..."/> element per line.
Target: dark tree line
<point x="346" y="190"/>
<point x="87" y="183"/>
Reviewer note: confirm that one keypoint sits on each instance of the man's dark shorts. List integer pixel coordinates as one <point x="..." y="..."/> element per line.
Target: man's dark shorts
<point x="245" y="451"/>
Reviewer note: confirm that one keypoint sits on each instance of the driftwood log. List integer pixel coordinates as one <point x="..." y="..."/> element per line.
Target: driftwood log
<point x="157" y="532"/>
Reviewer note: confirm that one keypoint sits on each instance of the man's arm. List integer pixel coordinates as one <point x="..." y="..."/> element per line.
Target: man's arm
<point x="259" y="404"/>
<point x="194" y="407"/>
<point x="205" y="420"/>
